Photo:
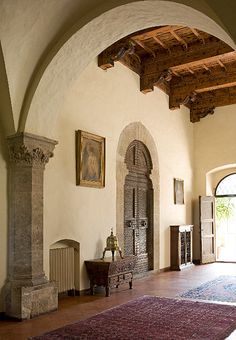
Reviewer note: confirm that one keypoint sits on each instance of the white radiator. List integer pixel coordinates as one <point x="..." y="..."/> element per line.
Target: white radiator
<point x="62" y="268"/>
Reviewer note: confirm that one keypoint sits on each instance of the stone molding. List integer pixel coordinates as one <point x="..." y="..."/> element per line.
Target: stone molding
<point x="30" y="150"/>
<point x="137" y="131"/>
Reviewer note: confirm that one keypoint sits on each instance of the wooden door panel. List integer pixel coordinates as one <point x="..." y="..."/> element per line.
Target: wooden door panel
<point x="142" y="202"/>
<point x="129" y="242"/>
<point x="138" y="229"/>
<point x="129" y="202"/>
<point x="207" y="229"/>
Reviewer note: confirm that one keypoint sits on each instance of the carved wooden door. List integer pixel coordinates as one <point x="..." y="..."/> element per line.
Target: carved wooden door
<point x="207" y="229"/>
<point x="138" y="203"/>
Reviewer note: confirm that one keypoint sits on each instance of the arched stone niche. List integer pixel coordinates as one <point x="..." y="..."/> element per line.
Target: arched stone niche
<point x="74" y="244"/>
<point x="137" y="131"/>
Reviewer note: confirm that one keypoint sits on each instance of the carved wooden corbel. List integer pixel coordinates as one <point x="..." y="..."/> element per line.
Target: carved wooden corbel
<point x="128" y="48"/>
<point x="190" y="98"/>
<point x="197" y="114"/>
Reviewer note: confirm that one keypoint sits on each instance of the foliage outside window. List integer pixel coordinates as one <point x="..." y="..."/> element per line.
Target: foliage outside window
<point x="224" y="208"/>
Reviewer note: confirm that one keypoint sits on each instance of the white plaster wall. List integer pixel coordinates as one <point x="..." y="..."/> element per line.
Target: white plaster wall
<point x="214" y="145"/>
<point x="104" y="103"/>
<point x="37" y="29"/>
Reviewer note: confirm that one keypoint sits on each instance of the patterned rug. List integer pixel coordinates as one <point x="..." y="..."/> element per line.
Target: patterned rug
<point x="222" y="289"/>
<point x="151" y="317"/>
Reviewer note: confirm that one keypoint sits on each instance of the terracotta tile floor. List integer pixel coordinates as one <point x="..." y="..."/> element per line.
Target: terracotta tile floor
<point x="71" y="309"/>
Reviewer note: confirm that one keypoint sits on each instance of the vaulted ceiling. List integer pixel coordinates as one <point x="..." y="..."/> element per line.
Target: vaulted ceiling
<point x="194" y="68"/>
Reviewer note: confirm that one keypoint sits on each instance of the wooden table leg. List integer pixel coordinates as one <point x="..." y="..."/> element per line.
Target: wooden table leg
<point x="130" y="284"/>
<point x="91" y="288"/>
<point x="107" y="290"/>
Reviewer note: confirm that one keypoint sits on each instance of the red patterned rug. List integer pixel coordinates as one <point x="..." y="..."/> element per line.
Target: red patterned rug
<point x="151" y="317"/>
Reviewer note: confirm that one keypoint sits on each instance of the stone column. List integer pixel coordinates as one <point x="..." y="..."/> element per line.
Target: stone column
<point x="28" y="292"/>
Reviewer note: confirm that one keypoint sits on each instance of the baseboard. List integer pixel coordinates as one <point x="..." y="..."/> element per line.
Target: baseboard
<point x="84" y="292"/>
<point x="162" y="270"/>
<point x="196" y="261"/>
<point x="4" y="317"/>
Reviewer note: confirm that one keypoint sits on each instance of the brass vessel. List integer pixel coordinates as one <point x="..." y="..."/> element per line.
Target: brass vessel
<point x="112" y="245"/>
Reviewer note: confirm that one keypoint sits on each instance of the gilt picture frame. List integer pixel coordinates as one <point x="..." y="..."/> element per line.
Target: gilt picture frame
<point x="90" y="160"/>
<point x="178" y="191"/>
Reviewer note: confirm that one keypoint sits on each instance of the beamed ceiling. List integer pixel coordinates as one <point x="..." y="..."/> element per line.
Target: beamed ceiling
<point x="194" y="68"/>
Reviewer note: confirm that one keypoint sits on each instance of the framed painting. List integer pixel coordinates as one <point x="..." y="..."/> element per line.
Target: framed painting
<point x="90" y="160"/>
<point x="178" y="191"/>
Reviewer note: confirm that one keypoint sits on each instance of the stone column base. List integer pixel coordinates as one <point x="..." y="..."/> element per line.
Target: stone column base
<point x="28" y="302"/>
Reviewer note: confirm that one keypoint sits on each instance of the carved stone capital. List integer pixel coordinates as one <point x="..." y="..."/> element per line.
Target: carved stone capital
<point x="30" y="150"/>
<point x="21" y="154"/>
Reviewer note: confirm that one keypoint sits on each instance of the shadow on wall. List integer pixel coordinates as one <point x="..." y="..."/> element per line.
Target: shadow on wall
<point x="3" y="145"/>
<point x="6" y="114"/>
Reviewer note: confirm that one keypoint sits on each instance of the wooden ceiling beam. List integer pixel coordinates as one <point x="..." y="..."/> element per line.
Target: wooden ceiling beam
<point x="179" y="39"/>
<point x="206" y="102"/>
<point x="202" y="81"/>
<point x="153" y="68"/>
<point x="158" y="40"/>
<point x="142" y="44"/>
<point x="197" y="34"/>
<point x="221" y="63"/>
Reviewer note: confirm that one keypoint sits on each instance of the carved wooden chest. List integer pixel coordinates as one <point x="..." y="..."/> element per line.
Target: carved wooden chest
<point x="108" y="273"/>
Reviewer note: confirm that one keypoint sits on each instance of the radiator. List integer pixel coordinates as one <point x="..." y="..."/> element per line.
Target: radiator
<point x="62" y="268"/>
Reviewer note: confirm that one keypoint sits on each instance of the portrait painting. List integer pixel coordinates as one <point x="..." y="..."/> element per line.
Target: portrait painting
<point x="178" y="191"/>
<point x="90" y="159"/>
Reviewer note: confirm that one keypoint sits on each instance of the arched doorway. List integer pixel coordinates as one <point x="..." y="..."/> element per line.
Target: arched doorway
<point x="225" y="197"/>
<point x="138" y="206"/>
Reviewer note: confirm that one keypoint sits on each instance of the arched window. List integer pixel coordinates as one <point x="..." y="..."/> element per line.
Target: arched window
<point x="226" y="186"/>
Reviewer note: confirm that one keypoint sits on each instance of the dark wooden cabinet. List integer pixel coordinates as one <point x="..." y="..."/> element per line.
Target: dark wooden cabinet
<point x="108" y="273"/>
<point x="181" y="246"/>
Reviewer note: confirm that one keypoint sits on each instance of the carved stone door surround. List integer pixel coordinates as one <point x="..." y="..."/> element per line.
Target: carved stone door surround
<point x="137" y="131"/>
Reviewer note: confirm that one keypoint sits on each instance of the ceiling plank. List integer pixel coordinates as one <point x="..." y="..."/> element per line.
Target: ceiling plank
<point x="147" y="49"/>
<point x="152" y="68"/>
<point x="158" y="40"/>
<point x="156" y="31"/>
<point x="202" y="81"/>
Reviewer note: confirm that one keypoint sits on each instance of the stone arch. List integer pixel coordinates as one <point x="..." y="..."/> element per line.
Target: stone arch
<point x="73" y="53"/>
<point x="137" y="131"/>
<point x="74" y="244"/>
